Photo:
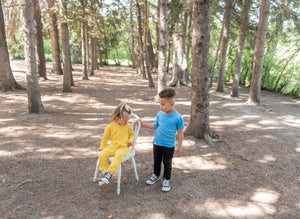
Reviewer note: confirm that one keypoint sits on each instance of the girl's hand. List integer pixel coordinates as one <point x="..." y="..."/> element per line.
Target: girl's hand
<point x="99" y="149"/>
<point x="129" y="144"/>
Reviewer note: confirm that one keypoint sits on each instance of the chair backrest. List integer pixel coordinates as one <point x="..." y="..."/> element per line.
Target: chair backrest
<point x="136" y="126"/>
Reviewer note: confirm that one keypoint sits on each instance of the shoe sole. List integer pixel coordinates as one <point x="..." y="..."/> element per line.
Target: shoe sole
<point x="165" y="189"/>
<point x="103" y="181"/>
<point x="150" y="182"/>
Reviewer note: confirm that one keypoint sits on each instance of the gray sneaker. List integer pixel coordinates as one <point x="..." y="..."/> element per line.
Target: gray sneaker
<point x="153" y="179"/>
<point x="105" y="179"/>
<point x="166" y="185"/>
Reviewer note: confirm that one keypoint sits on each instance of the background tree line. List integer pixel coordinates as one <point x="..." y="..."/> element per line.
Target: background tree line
<point x="250" y="42"/>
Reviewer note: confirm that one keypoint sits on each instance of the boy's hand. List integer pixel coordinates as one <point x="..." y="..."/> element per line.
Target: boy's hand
<point x="99" y="149"/>
<point x="129" y="144"/>
<point x="140" y="122"/>
<point x="178" y="152"/>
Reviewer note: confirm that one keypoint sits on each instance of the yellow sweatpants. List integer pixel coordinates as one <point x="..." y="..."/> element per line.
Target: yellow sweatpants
<point x="113" y="150"/>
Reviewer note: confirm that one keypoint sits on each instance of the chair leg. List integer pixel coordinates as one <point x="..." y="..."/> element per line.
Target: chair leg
<point x="119" y="179"/>
<point x="96" y="171"/>
<point x="134" y="168"/>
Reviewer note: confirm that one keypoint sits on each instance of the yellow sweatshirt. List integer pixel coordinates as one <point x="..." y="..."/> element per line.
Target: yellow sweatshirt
<point x="119" y="134"/>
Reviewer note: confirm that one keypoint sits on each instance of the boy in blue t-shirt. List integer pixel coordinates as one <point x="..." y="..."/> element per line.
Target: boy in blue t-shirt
<point x="168" y="122"/>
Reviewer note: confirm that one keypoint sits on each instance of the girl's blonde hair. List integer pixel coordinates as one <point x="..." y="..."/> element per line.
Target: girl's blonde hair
<point x="118" y="112"/>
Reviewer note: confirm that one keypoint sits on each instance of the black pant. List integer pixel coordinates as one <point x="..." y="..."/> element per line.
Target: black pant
<point x="165" y="154"/>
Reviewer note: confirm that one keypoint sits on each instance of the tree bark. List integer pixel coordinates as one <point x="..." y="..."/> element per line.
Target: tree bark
<point x="39" y="40"/>
<point x="257" y="69"/>
<point x="239" y="54"/>
<point x="67" y="82"/>
<point x="188" y="46"/>
<point x="34" y="100"/>
<point x="54" y="36"/>
<point x="226" y="24"/>
<point x="140" y="58"/>
<point x="152" y="59"/>
<point x="132" y="38"/>
<point x="94" y="62"/>
<point x="177" y="60"/>
<point x="149" y="74"/>
<point x="216" y="58"/>
<point x="7" y="80"/>
<point x="100" y="55"/>
<point x="162" y="46"/>
<point x="199" y="121"/>
<point x="83" y="45"/>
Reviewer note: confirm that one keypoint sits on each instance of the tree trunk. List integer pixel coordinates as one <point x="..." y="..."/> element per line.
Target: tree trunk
<point x="54" y="36"/>
<point x="94" y="62"/>
<point x="7" y="80"/>
<point x="149" y="74"/>
<point x="254" y="95"/>
<point x="188" y="47"/>
<point x="199" y="120"/>
<point x="83" y="45"/>
<point x="34" y="100"/>
<point x="184" y="64"/>
<point x="177" y="60"/>
<point x="157" y="28"/>
<point x="239" y="55"/>
<point x="152" y="59"/>
<point x="65" y="48"/>
<point x="162" y="49"/>
<point x="226" y="23"/>
<point x="100" y="55"/>
<point x="132" y="38"/>
<point x="140" y="58"/>
<point x="39" y="40"/>
<point x="216" y="58"/>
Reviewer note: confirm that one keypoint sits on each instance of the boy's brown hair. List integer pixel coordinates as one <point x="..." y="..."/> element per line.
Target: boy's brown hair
<point x="168" y="93"/>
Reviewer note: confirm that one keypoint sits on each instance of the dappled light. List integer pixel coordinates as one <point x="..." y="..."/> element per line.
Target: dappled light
<point x="250" y="172"/>
<point x="193" y="163"/>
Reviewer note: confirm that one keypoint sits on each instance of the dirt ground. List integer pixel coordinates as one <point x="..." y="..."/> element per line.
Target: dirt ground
<point x="47" y="161"/>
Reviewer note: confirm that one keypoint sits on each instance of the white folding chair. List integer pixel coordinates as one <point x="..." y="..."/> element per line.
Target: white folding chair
<point x="136" y="125"/>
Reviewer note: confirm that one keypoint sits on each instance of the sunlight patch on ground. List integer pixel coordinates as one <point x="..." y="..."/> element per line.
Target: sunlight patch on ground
<point x="192" y="163"/>
<point x="250" y="116"/>
<point x="290" y="121"/>
<point x="265" y="196"/>
<point x="268" y="122"/>
<point x="144" y="144"/>
<point x="232" y="122"/>
<point x="232" y="104"/>
<point x="184" y="103"/>
<point x="267" y="158"/>
<point x="154" y="216"/>
<point x="6" y="120"/>
<point x="253" y="126"/>
<point x="236" y="208"/>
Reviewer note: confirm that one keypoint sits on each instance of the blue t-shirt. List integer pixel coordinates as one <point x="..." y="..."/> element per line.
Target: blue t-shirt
<point x="167" y="126"/>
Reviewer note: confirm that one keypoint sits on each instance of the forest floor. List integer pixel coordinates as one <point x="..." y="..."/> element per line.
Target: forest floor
<point x="47" y="161"/>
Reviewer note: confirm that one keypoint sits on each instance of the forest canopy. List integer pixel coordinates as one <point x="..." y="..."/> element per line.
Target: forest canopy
<point x="109" y="22"/>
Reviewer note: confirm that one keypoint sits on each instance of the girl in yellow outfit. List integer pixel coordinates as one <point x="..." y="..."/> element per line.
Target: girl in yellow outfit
<point x="121" y="137"/>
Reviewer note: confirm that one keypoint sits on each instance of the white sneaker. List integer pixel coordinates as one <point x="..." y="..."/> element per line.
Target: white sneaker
<point x="105" y="179"/>
<point x="153" y="179"/>
<point x="166" y="185"/>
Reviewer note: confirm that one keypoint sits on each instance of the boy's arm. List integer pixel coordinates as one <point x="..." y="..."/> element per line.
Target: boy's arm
<point x="147" y="125"/>
<point x="179" y="142"/>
